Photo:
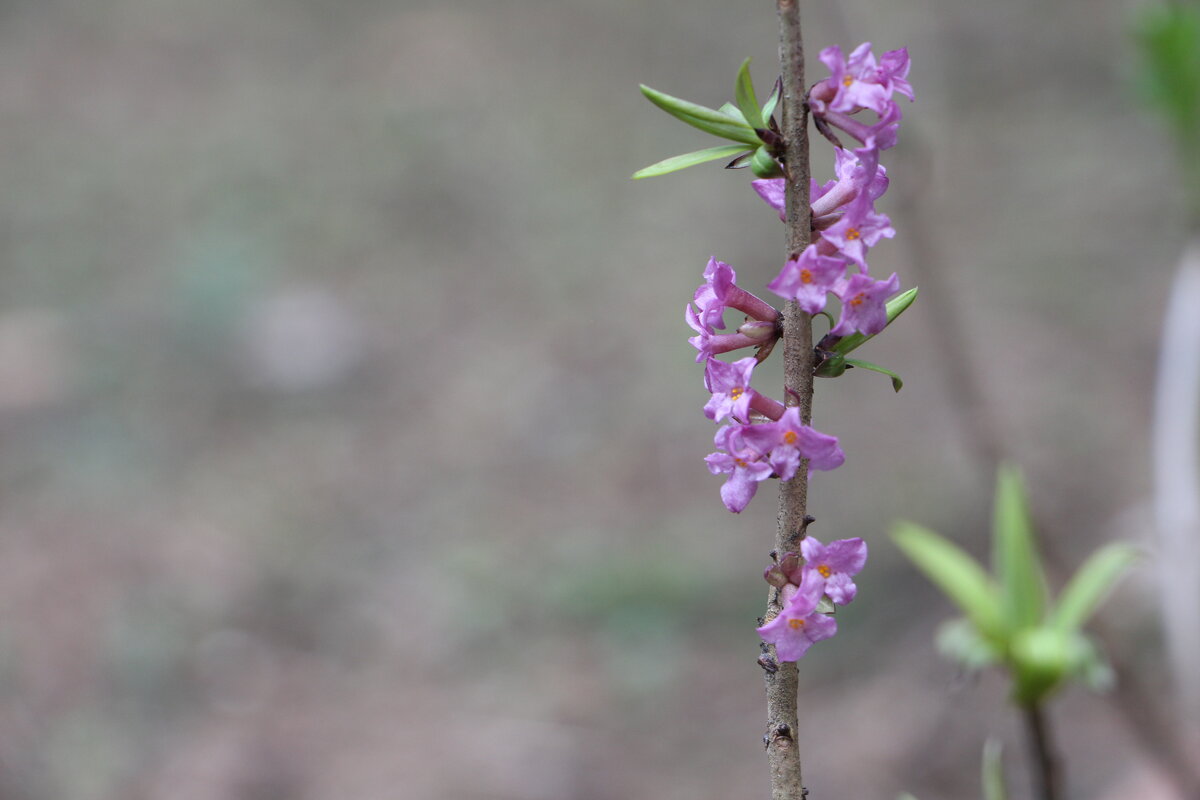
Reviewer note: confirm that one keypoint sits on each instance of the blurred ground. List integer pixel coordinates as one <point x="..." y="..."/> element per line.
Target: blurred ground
<point x="351" y="439"/>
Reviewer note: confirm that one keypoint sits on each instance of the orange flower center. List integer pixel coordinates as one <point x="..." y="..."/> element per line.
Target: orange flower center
<point x="858" y="299"/>
<point x="847" y="80"/>
<point x="852" y="234"/>
<point x="824" y="570"/>
<point x="736" y="392"/>
<point x="790" y="437"/>
<point x="806" y="276"/>
<point x="795" y="624"/>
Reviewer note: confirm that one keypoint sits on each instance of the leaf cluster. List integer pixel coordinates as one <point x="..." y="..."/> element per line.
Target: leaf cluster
<point x="754" y="130"/>
<point x="1010" y="618"/>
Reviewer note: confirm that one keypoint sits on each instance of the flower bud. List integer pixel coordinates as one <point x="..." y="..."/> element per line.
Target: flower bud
<point x="774" y="576"/>
<point x="791" y="564"/>
<point x="757" y="329"/>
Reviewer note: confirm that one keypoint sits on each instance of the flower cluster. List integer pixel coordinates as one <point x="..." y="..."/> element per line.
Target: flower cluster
<point x="826" y="571"/>
<point x="763" y="438"/>
<point x="843" y="210"/>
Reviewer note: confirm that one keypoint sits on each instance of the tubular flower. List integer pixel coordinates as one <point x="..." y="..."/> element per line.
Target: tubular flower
<point x="799" y="624"/>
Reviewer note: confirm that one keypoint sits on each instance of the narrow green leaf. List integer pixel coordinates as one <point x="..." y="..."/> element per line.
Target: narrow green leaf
<point x="675" y="163"/>
<point x="993" y="771"/>
<point x="773" y="100"/>
<point x="958" y="575"/>
<point x="702" y="117"/>
<point x="897" y="384"/>
<point x="743" y="94"/>
<point x="1014" y="552"/>
<point x="1091" y="584"/>
<point x="895" y="307"/>
<point x="729" y="109"/>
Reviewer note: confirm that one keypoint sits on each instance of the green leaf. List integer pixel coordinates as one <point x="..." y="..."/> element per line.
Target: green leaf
<point x="703" y="117"/>
<point x="764" y="165"/>
<point x="743" y="94"/>
<point x="773" y="100"/>
<point x="897" y="384"/>
<point x="675" y="163"/>
<point x="958" y="576"/>
<point x="906" y="796"/>
<point x="729" y="109"/>
<point x="1091" y="584"/>
<point x="993" y="771"/>
<point x="1168" y="36"/>
<point x="895" y="307"/>
<point x="1014" y="552"/>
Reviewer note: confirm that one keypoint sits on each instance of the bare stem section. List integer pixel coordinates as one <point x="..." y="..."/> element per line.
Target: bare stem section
<point x="783" y="753"/>
<point x="1047" y="783"/>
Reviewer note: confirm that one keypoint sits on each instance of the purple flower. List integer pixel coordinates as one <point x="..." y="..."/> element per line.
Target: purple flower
<point x="710" y="297"/>
<point x="788" y="441"/>
<point x="861" y="228"/>
<point x="835" y="564"/>
<point x="719" y="292"/>
<point x="799" y="624"/>
<point x="774" y="192"/>
<point x="863" y="300"/>
<point x="730" y="387"/>
<point x="710" y="343"/>
<point x="861" y="82"/>
<point x="744" y="465"/>
<point x="808" y="279"/>
<point x="893" y="71"/>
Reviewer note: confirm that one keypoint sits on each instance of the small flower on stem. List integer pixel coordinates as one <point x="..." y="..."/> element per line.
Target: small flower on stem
<point x="799" y="624"/>
<point x="859" y="230"/>
<point x="863" y="304"/>
<point x="808" y="279"/>
<point x="835" y="564"/>
<point x="719" y="292"/>
<point x="745" y="466"/>
<point x="789" y="440"/>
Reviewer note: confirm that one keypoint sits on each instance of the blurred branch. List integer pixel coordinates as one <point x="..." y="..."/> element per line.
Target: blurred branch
<point x="1047" y="777"/>
<point x="1176" y="481"/>
<point x="783" y="754"/>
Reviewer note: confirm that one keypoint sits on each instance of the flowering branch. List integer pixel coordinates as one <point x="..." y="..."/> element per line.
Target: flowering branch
<point x="830" y="228"/>
<point x="783" y="752"/>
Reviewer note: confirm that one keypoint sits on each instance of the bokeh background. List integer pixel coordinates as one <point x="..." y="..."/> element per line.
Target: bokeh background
<point x="352" y="442"/>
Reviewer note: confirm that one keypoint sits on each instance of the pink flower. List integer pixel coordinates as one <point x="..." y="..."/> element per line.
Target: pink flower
<point x="834" y="564"/>
<point x="799" y="624"/>
<point x="788" y="441"/>
<point x="719" y="292"/>
<point x="808" y="279"/>
<point x="860" y="229"/>
<point x="860" y="81"/>
<point x="730" y="387"/>
<point x="863" y="300"/>
<point x="744" y="465"/>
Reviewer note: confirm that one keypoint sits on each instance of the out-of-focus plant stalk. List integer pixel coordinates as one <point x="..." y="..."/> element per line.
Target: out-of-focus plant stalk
<point x="1047" y="775"/>
<point x="1177" y="482"/>
<point x="783" y="752"/>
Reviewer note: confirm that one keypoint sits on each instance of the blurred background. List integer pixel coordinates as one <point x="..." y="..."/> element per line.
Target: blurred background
<point x="352" y="443"/>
